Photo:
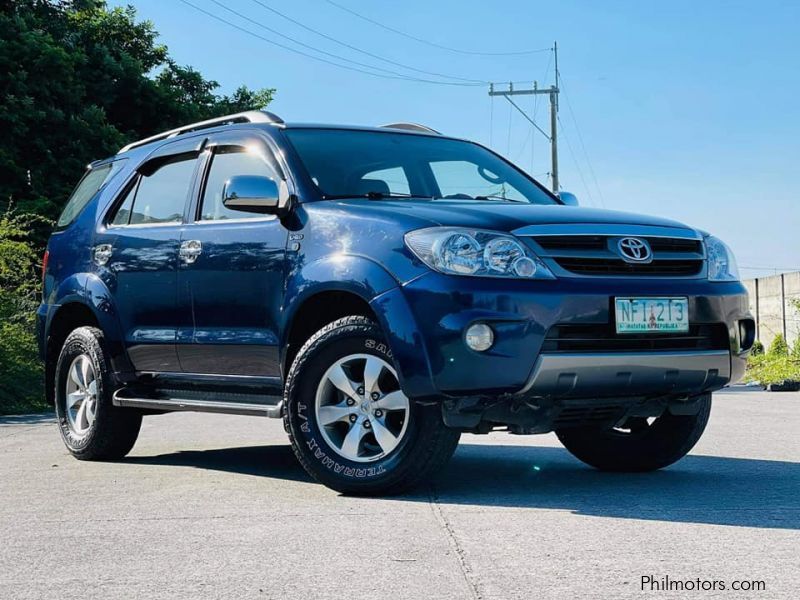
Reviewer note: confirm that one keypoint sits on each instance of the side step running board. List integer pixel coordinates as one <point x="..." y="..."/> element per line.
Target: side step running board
<point x="123" y="398"/>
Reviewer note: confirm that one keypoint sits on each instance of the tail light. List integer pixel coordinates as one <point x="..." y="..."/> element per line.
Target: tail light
<point x="45" y="260"/>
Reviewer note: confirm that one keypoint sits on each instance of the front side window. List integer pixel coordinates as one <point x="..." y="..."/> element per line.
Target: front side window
<point x="225" y="163"/>
<point x="90" y="184"/>
<point x="346" y="163"/>
<point x="158" y="197"/>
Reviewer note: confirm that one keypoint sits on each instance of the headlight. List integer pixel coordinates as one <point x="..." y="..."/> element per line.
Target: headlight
<point x="721" y="262"/>
<point x="457" y="251"/>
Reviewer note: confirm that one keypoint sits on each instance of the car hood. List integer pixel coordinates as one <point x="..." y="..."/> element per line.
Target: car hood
<point x="498" y="216"/>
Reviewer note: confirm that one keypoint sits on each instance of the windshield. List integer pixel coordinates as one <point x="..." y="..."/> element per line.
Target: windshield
<point x="345" y="163"/>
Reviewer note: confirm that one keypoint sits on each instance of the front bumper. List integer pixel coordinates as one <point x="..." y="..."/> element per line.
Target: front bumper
<point x="522" y="313"/>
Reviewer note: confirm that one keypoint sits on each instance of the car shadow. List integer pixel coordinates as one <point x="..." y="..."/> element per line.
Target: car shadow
<point x="28" y="419"/>
<point x="266" y="461"/>
<point x="714" y="490"/>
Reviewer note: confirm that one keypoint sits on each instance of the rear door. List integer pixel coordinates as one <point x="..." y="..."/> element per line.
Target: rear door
<point x="136" y="253"/>
<point x="231" y="270"/>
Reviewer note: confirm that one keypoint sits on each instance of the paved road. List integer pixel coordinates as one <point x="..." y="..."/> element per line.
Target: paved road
<point x="216" y="507"/>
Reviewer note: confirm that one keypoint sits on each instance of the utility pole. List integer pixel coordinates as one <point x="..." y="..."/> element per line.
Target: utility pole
<point x="535" y="90"/>
<point x="554" y="123"/>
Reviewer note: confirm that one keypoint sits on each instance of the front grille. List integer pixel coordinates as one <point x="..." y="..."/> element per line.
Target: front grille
<point x="604" y="338"/>
<point x="611" y="266"/>
<point x="596" y="255"/>
<point x="571" y="242"/>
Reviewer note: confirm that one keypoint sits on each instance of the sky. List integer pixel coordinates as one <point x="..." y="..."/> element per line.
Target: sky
<point x="686" y="110"/>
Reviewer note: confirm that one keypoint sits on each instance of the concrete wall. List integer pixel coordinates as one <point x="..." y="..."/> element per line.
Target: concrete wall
<point x="770" y="302"/>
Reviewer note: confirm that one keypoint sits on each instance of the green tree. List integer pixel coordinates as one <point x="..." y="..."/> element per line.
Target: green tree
<point x="20" y="370"/>
<point x="779" y="347"/>
<point x="78" y="81"/>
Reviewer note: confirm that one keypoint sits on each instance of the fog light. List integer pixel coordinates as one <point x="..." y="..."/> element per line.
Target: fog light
<point x="479" y="337"/>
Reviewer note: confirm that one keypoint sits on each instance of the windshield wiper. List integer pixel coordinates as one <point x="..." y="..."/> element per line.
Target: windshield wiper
<point x="372" y="196"/>
<point x="503" y="198"/>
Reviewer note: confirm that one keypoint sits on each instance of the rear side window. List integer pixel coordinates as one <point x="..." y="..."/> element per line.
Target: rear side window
<point x="158" y="197"/>
<point x="89" y="185"/>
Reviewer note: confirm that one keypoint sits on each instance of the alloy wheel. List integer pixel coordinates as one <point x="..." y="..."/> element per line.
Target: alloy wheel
<point x="361" y="411"/>
<point x="81" y="395"/>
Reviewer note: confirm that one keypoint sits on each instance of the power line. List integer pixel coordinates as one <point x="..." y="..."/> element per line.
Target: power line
<point x="313" y="48"/>
<point x="786" y="269"/>
<point x="398" y="76"/>
<point x="361" y="50"/>
<point x="560" y="84"/>
<point x="428" y="42"/>
<point x="536" y="110"/>
<point x="577" y="165"/>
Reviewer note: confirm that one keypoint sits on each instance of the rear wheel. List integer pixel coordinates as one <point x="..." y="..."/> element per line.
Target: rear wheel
<point x="638" y="444"/>
<point x="351" y="426"/>
<point x="91" y="426"/>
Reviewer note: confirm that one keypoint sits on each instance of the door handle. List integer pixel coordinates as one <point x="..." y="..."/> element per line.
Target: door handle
<point x="102" y="254"/>
<point x="190" y="250"/>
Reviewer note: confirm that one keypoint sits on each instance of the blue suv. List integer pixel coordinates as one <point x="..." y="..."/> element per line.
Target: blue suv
<point x="382" y="290"/>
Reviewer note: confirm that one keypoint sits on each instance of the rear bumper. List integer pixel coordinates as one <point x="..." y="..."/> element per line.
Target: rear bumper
<point x="628" y="374"/>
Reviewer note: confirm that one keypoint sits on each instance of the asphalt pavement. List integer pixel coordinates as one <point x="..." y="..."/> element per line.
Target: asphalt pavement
<point x="210" y="506"/>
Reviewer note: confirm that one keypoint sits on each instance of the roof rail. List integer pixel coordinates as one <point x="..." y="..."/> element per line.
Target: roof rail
<point x="250" y="116"/>
<point x="410" y="127"/>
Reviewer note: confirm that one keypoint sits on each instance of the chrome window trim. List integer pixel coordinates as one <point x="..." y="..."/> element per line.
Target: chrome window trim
<point x="144" y="225"/>
<point x="265" y="219"/>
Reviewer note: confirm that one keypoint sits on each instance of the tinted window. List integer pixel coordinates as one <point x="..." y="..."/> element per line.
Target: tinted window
<point x="346" y="162"/>
<point x="89" y="185"/>
<point x="227" y="162"/>
<point x="161" y="197"/>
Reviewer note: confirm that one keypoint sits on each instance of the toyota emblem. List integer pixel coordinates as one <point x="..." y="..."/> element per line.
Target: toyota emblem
<point x="634" y="250"/>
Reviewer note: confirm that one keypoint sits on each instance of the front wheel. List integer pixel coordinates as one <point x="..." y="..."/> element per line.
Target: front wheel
<point x="350" y="425"/>
<point x="638" y="444"/>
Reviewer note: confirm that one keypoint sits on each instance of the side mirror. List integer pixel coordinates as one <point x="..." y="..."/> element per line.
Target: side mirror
<point x="568" y="199"/>
<point x="252" y="193"/>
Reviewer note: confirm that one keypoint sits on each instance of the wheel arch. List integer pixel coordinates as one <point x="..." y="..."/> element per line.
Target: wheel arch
<point x="316" y="311"/>
<point x="344" y="285"/>
<point x="65" y="319"/>
<point x="82" y="301"/>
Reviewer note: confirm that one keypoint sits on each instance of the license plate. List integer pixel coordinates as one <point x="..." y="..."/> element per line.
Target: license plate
<point x="644" y="315"/>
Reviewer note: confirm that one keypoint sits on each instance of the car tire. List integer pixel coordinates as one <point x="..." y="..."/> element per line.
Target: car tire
<point x="638" y="445"/>
<point x="91" y="426"/>
<point x="342" y="397"/>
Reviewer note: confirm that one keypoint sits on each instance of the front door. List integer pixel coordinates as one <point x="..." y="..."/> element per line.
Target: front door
<point x="231" y="271"/>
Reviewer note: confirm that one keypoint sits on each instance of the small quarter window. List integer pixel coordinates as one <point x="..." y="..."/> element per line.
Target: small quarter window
<point x="123" y="214"/>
